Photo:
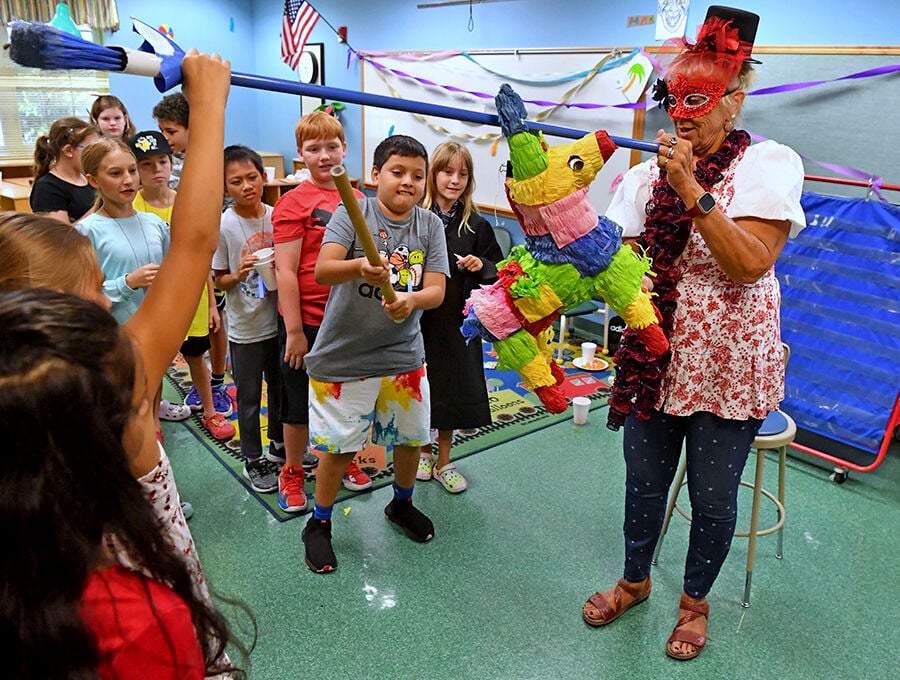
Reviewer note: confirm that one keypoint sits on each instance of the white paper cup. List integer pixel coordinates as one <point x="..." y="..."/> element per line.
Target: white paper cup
<point x="580" y="408"/>
<point x="588" y="350"/>
<point x="270" y="173"/>
<point x="265" y="266"/>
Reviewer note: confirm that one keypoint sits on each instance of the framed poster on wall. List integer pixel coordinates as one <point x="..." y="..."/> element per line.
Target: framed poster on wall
<point x="311" y="69"/>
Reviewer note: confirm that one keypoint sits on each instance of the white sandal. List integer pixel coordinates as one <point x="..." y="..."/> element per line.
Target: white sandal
<point x="426" y="463"/>
<point x="173" y="412"/>
<point x="449" y="478"/>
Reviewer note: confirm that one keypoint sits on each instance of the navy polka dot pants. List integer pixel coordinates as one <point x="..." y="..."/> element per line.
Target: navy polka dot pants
<point x="717" y="450"/>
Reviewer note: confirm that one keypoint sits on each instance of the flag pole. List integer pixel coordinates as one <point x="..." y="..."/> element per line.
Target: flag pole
<point x="336" y="32"/>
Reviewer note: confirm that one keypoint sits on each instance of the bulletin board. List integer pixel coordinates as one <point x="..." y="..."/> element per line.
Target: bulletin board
<point x="528" y="71"/>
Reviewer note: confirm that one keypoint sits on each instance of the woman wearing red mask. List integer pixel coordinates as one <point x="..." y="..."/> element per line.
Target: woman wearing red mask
<point x="713" y="213"/>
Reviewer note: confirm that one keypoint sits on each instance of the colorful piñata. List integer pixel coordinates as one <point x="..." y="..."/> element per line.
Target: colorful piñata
<point x="570" y="255"/>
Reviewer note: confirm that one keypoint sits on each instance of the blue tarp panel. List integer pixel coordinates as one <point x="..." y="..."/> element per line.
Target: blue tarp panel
<point x="840" y="314"/>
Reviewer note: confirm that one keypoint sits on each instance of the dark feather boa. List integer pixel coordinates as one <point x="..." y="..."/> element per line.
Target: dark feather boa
<point x="639" y="374"/>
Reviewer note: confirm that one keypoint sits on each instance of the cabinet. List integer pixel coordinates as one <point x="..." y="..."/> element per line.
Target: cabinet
<point x="273" y="160"/>
<point x="272" y="191"/>
<point x="15" y="194"/>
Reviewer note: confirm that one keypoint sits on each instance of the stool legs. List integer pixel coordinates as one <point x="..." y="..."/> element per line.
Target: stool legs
<point x="782" y="465"/>
<point x="563" y="330"/>
<point x="754" y="524"/>
<point x="754" y="531"/>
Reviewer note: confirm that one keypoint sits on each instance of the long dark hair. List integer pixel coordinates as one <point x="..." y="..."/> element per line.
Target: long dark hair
<point x="48" y="147"/>
<point x="65" y="482"/>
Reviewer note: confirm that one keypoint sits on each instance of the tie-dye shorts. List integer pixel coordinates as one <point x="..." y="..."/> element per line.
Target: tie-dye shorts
<point x="397" y="409"/>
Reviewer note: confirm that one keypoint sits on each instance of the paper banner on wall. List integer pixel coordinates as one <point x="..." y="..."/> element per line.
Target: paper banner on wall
<point x="631" y="77"/>
<point x="671" y="18"/>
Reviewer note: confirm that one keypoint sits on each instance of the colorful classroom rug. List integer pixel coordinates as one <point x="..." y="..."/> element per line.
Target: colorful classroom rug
<point x="515" y="412"/>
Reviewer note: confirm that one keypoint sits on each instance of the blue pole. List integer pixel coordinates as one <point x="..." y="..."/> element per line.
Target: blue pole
<point x="380" y="101"/>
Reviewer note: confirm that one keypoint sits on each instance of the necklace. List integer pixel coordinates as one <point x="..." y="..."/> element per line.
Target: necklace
<point x="137" y="261"/>
<point x="639" y="375"/>
<point x="257" y="222"/>
<point x="75" y="179"/>
<point x="164" y="211"/>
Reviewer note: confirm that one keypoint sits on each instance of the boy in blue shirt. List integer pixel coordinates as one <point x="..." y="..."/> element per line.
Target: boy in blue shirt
<point x="367" y="367"/>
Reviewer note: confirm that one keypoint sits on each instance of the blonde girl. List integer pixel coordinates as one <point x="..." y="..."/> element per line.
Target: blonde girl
<point x="129" y="245"/>
<point x="60" y="189"/>
<point x="455" y="369"/>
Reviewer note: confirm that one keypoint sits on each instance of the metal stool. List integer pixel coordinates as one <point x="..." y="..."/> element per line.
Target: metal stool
<point x="777" y="432"/>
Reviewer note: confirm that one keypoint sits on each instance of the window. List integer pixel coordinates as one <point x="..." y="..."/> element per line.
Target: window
<point x="31" y="99"/>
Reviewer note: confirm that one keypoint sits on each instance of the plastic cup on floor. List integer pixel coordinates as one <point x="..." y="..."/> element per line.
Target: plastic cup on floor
<point x="588" y="350"/>
<point x="265" y="266"/>
<point x="580" y="408"/>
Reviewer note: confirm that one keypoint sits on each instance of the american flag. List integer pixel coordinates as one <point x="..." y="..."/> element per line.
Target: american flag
<point x="296" y="25"/>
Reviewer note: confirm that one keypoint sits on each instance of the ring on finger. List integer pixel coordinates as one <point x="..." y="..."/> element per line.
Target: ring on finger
<point x="673" y="141"/>
<point x="671" y="152"/>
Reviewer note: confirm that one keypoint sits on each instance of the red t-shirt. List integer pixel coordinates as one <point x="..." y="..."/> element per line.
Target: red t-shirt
<point x="143" y="628"/>
<point x="303" y="213"/>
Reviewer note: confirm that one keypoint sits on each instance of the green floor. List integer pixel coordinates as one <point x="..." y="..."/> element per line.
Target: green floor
<point x="498" y="592"/>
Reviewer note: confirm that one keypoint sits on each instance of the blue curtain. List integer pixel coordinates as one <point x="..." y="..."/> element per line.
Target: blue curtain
<point x="840" y="314"/>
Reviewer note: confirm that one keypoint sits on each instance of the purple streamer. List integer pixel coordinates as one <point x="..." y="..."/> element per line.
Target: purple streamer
<point x="875" y="182"/>
<point x="789" y="87"/>
<point x="485" y="95"/>
<point x="880" y="71"/>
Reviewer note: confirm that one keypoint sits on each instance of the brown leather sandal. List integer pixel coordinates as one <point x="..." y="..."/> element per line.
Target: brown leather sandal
<point x="695" y="611"/>
<point x="606" y="612"/>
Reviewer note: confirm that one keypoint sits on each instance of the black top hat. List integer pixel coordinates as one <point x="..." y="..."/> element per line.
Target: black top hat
<point x="745" y="22"/>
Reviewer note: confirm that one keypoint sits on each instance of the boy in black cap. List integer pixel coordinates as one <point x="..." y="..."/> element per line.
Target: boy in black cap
<point x="154" y="163"/>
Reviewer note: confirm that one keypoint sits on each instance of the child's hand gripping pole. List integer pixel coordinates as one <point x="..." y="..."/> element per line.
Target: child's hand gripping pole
<point x="351" y="203"/>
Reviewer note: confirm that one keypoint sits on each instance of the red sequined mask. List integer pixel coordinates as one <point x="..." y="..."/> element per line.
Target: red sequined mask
<point x="692" y="98"/>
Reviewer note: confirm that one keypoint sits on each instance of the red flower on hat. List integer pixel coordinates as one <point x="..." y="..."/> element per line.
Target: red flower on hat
<point x="717" y="35"/>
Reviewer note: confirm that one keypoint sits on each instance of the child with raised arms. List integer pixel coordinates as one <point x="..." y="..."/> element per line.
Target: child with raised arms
<point x="77" y="608"/>
<point x="459" y="397"/>
<point x="367" y="367"/>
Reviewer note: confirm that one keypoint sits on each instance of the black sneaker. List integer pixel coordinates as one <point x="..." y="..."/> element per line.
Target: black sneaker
<point x="261" y="476"/>
<point x="276" y="455"/>
<point x="414" y="523"/>
<point x="317" y="542"/>
<point x="310" y="460"/>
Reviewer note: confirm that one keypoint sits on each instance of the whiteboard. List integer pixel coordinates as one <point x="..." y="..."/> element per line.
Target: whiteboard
<point x="532" y="70"/>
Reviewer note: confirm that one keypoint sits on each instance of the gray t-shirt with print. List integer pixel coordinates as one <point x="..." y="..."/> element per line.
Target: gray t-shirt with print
<point x="357" y="338"/>
<point x="252" y="310"/>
